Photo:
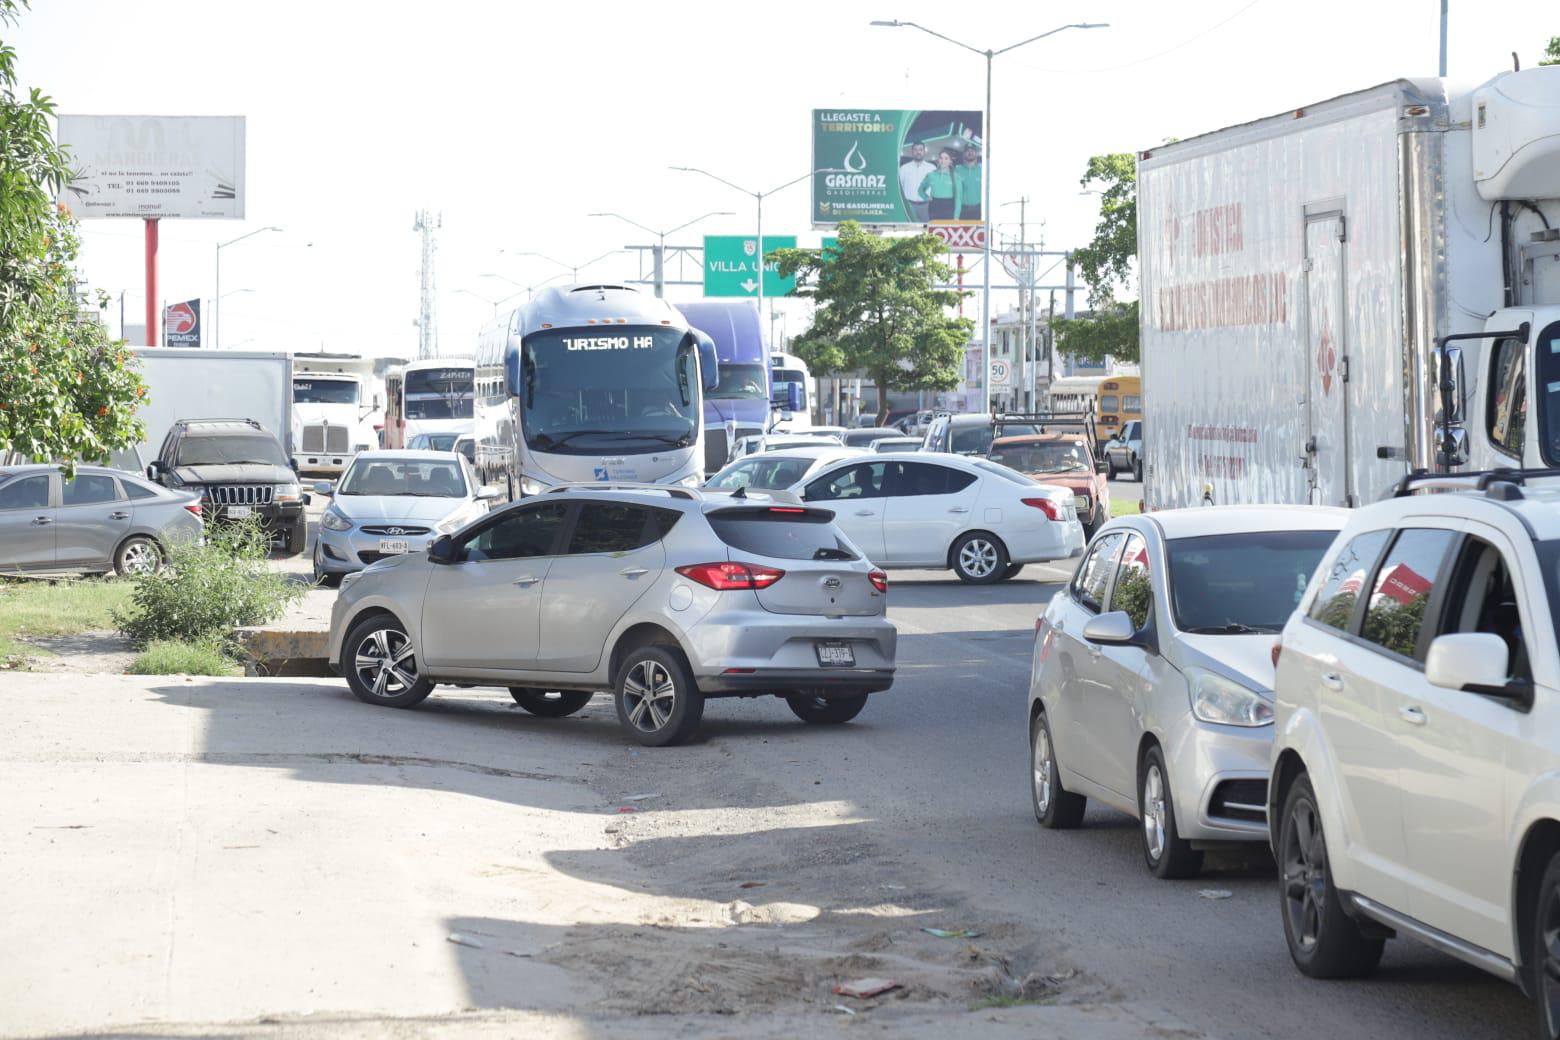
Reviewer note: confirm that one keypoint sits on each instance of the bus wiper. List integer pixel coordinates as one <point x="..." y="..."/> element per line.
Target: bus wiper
<point x="547" y="439"/>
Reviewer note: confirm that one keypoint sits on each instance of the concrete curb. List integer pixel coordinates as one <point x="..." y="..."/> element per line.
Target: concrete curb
<point x="289" y="652"/>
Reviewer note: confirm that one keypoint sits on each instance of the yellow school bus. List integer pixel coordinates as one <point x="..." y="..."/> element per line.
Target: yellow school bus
<point x="1118" y="401"/>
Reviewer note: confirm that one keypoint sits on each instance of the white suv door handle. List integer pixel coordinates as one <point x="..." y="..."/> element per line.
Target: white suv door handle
<point x="633" y="572"/>
<point x="866" y="512"/>
<point x="119" y="515"/>
<point x="39" y="521"/>
<point x="1332" y="680"/>
<point x="959" y="509"/>
<point x="1412" y="714"/>
<point x="526" y="582"/>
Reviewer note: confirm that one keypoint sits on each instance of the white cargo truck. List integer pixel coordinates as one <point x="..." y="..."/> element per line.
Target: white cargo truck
<point x="1340" y="294"/>
<point x="210" y="384"/>
<point x="335" y="403"/>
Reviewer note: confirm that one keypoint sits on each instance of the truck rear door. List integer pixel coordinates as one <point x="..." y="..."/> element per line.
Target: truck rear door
<point x="1326" y="450"/>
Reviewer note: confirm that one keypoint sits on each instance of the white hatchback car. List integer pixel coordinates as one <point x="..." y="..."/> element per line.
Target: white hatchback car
<point x="1415" y="784"/>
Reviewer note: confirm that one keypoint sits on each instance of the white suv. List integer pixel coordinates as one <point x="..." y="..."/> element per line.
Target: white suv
<point x="1415" y="786"/>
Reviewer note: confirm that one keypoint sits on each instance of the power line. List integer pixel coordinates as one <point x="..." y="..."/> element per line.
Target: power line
<point x="1152" y="57"/>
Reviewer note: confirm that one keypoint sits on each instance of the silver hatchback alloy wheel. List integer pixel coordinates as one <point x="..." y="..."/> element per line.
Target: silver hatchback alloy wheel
<point x="650" y="695"/>
<point x="1154" y="811"/>
<point x="385" y="663"/>
<point x="978" y="557"/>
<point x="1040" y="763"/>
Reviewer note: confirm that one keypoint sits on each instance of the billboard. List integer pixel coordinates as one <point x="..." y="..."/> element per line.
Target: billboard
<point x="188" y="167"/>
<point x="888" y="166"/>
<point x="181" y="324"/>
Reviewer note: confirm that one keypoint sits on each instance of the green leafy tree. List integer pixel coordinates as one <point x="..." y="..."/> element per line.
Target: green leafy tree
<point x="878" y="312"/>
<point x="1552" y="52"/>
<point x="1106" y="265"/>
<point x="66" y="391"/>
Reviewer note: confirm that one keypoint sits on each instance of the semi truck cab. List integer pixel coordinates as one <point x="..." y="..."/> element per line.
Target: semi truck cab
<point x="332" y="421"/>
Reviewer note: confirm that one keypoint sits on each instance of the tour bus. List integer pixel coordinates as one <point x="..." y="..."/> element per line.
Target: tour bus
<point x="436" y="396"/>
<point x="784" y="370"/>
<point x="1118" y="401"/>
<point x="1074" y="393"/>
<point x="588" y="383"/>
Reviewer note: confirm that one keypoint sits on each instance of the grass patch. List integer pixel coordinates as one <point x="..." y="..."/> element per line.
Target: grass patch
<point x="183" y="657"/>
<point x="62" y="608"/>
<point x="1125" y="507"/>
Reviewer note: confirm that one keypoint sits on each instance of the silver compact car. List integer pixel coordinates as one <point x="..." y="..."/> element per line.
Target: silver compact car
<point x="664" y="595"/>
<point x="103" y="520"/>
<point x="1151" y="685"/>
<point x="394" y="502"/>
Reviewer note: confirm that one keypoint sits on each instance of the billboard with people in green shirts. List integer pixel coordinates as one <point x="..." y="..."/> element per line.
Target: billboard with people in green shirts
<point x="896" y="166"/>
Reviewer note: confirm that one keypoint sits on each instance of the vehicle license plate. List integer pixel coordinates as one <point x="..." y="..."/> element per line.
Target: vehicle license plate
<point x="836" y="655"/>
<point x="394" y="546"/>
<point x="239" y="512"/>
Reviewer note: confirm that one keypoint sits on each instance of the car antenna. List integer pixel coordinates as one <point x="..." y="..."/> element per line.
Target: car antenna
<point x="741" y="492"/>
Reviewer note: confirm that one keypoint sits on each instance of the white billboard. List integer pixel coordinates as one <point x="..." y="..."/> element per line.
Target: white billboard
<point x="185" y="167"/>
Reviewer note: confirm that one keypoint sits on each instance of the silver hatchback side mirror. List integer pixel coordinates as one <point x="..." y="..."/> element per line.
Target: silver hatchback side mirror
<point x="1113" y="629"/>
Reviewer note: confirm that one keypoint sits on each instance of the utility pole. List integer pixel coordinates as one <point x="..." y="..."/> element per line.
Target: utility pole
<point x="1443" y="39"/>
<point x="427" y="329"/>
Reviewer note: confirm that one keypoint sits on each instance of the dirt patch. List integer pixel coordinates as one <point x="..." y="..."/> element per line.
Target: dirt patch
<point x="90" y="653"/>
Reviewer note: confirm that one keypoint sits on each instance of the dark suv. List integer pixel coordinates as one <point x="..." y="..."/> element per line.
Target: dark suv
<point x="240" y="470"/>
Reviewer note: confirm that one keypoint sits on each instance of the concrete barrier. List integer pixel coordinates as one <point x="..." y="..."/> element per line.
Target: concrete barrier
<point x="283" y="651"/>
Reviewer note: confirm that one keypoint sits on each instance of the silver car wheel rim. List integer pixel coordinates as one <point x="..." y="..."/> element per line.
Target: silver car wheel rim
<point x="978" y="558"/>
<point x="649" y="696"/>
<point x="385" y="663"/>
<point x="1042" y="769"/>
<point x="1154" y="811"/>
<point x="141" y="558"/>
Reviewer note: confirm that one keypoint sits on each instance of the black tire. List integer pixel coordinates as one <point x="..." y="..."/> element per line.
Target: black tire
<point x="979" y="558"/>
<point x="297" y="537"/>
<point x="1323" y="940"/>
<point x="1137" y="470"/>
<point x="138" y="555"/>
<point x="818" y="710"/>
<point x="1543" y="952"/>
<point x="1167" y="854"/>
<point x="550" y="704"/>
<point x="1013" y="571"/>
<point x="322" y="577"/>
<point x="380" y="639"/>
<point x="1055" y="807"/>
<point x="641" y="693"/>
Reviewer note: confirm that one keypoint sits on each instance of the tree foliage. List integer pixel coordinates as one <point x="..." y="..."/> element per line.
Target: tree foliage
<point x="878" y="312"/>
<point x="1552" y="52"/>
<point x="66" y="391"/>
<point x="1106" y="264"/>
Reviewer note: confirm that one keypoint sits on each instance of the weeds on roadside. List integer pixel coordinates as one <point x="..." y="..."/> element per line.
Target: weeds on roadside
<point x="208" y="589"/>
<point x="184" y="657"/>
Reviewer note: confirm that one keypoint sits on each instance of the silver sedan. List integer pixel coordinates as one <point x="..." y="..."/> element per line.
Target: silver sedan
<point x="1152" y="676"/>
<point x="103" y="520"/>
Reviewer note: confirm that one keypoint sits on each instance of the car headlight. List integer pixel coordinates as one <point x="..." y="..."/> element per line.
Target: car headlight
<point x="1226" y="702"/>
<point x="691" y="480"/>
<point x="286" y="493"/>
<point x="531" y="487"/>
<point x="448" y="524"/>
<point x="334" y="521"/>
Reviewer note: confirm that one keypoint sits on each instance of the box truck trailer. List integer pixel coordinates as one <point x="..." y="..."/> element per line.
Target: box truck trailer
<point x="1335" y="296"/>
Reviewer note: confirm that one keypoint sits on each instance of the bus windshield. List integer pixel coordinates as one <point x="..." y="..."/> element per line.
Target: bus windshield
<point x="781" y="376"/>
<point x="627" y="389"/>
<point x="325" y="391"/>
<point x="439" y="393"/>
<point x="739" y="382"/>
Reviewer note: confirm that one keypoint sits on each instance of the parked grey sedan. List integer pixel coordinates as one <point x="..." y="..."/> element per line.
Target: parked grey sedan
<point x="1151" y="686"/>
<point x="664" y="595"/>
<point x="103" y="520"/>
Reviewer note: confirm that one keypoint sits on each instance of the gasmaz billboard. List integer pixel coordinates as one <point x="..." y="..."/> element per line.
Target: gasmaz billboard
<point x="896" y="166"/>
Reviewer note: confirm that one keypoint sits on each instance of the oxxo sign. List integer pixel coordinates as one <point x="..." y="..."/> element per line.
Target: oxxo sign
<point x="731" y="266"/>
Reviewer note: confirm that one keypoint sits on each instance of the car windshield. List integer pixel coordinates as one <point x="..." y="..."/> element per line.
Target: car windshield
<point x="975" y="440"/>
<point x="1009" y="475"/>
<point x="1241" y="582"/>
<point x="433" y="442"/>
<point x="1047" y="457"/>
<point x="760" y="471"/>
<point x="410" y="478"/>
<point x="887" y="445"/>
<point x="234" y="450"/>
<point x="439" y="393"/>
<point x="325" y="391"/>
<point x="739" y="382"/>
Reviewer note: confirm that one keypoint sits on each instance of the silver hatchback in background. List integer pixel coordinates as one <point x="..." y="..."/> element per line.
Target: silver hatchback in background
<point x="663" y="595"/>
<point x="104" y="520"/>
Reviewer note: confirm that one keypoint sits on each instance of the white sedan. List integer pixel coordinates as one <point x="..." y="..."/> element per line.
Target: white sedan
<point x="936" y="511"/>
<point x="779" y="469"/>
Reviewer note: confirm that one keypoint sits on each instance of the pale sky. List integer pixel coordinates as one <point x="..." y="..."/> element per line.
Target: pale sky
<point x="515" y="120"/>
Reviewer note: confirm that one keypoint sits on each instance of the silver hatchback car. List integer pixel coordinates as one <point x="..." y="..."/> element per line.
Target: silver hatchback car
<point x="663" y="595"/>
<point x="1151" y="687"/>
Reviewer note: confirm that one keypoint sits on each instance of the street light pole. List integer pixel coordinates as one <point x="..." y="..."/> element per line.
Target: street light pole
<point x="758" y="197"/>
<point x="985" y="201"/>
<point x="659" y="252"/>
<point x="216" y="303"/>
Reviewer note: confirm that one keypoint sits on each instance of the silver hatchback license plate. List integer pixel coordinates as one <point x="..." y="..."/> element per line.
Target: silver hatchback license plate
<point x="394" y="546"/>
<point x="836" y="655"/>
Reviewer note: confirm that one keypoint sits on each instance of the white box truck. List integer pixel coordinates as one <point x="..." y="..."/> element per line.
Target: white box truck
<point x="1337" y="295"/>
<point x="210" y="384"/>
<point x="336" y="399"/>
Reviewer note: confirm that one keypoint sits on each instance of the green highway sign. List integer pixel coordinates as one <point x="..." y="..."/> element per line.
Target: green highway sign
<point x="731" y="266"/>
